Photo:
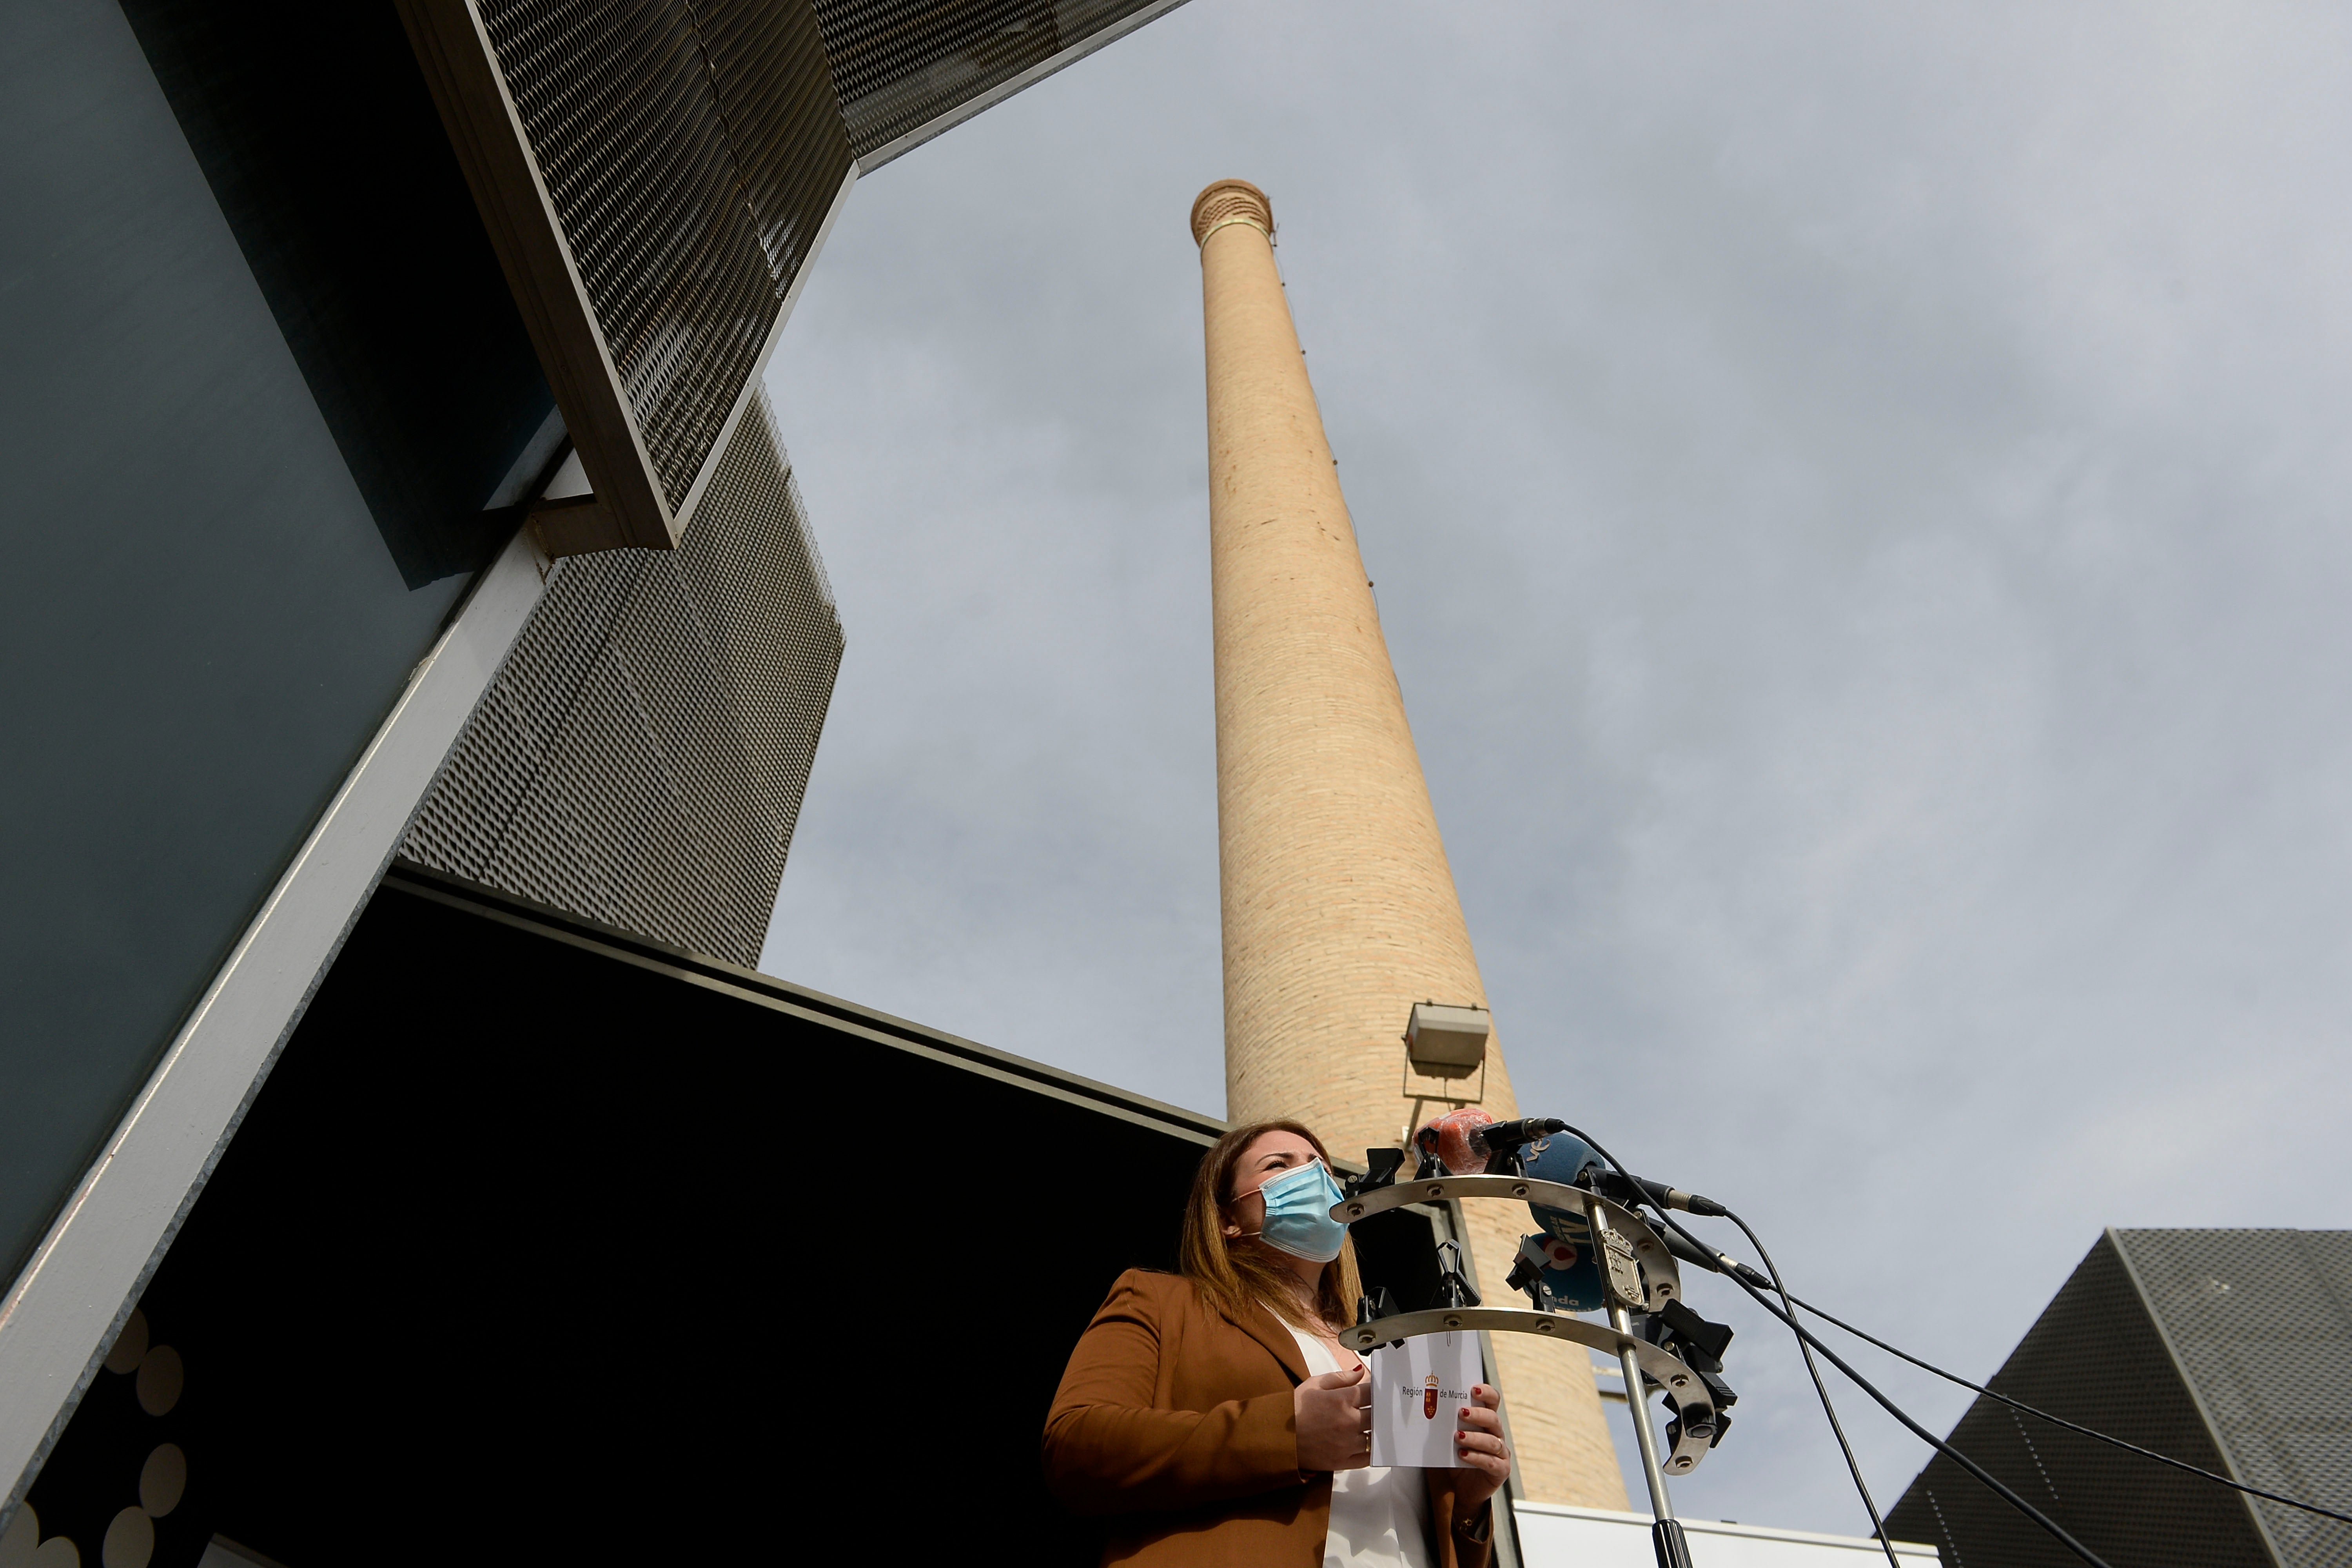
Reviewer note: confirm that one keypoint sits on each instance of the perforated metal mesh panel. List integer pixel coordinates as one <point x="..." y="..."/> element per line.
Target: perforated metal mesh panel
<point x="899" y="66"/>
<point x="2262" y="1320"/>
<point x="769" y="68"/>
<point x="2257" y="1321"/>
<point x="691" y="148"/>
<point x="641" y="758"/>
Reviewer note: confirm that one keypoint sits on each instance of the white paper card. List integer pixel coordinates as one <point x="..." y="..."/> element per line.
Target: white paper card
<point x="1419" y="1391"/>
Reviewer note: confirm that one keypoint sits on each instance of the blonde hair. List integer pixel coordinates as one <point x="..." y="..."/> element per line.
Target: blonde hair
<point x="1231" y="1276"/>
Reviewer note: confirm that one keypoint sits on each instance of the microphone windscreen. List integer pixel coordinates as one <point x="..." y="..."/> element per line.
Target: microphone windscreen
<point x="1453" y="1130"/>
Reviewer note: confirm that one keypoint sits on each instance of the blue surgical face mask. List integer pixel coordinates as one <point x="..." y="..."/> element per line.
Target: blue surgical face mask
<point x="1298" y="1213"/>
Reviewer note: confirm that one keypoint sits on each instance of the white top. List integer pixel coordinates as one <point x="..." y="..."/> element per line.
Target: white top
<point x="1379" y="1518"/>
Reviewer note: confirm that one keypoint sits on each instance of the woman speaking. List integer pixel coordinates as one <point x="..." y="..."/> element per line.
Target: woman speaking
<point x="1213" y="1419"/>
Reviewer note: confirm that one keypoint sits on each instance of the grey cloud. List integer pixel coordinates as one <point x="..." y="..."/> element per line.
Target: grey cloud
<point x="1857" y="501"/>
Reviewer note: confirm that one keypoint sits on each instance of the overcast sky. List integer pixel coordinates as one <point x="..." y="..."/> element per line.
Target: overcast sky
<point x="1858" y="500"/>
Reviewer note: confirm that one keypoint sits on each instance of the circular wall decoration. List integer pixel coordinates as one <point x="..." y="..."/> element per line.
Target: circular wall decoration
<point x="130" y="1539"/>
<point x="163" y="1479"/>
<point x="161" y="1378"/>
<point x="22" y="1547"/>
<point x="23" y="1534"/>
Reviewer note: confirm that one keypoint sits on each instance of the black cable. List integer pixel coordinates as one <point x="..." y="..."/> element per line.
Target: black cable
<point x="2015" y="1501"/>
<point x="1837" y="1429"/>
<point x="1722" y="1263"/>
<point x="2062" y="1421"/>
<point x="1807" y="1338"/>
<point x="1745" y="1275"/>
<point x="1877" y="1525"/>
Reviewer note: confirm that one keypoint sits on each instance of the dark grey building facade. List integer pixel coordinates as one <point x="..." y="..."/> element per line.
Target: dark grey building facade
<point x="641" y="756"/>
<point x="389" y="477"/>
<point x="2228" y="1349"/>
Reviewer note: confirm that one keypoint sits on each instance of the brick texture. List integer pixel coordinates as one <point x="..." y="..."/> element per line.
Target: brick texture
<point x="1340" y="908"/>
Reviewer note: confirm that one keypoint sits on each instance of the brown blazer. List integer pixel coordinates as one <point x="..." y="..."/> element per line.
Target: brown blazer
<point x="1174" y="1421"/>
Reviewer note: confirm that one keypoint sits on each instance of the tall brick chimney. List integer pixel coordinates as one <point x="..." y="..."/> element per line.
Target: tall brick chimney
<point x="1338" y="907"/>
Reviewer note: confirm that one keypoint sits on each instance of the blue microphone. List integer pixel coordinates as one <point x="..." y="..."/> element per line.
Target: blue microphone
<point x="1562" y="1251"/>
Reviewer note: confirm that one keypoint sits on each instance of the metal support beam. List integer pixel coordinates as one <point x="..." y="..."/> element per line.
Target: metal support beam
<point x="63" y="1312"/>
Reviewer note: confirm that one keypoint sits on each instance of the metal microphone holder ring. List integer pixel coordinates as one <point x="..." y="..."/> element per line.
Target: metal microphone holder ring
<point x="1698" y="1414"/>
<point x="1661" y="1277"/>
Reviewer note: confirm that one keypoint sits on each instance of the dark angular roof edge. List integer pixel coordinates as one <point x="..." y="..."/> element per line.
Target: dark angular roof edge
<point x="782" y="996"/>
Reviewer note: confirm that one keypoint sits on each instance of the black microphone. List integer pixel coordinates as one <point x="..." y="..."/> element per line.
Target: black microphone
<point x="1498" y="1137"/>
<point x="1718" y="1262"/>
<point x="1634" y="1189"/>
<point x="1669" y="1197"/>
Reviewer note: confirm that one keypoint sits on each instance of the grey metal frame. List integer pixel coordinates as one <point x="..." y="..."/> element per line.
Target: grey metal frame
<point x="61" y="1314"/>
<point x="1617" y="1339"/>
<point x="1447" y="1216"/>
<point x="1662" y="1276"/>
<point x="2197" y="1400"/>
<point x="759" y="375"/>
<point x="486" y="128"/>
<point x="902" y="146"/>
<point x="628" y="505"/>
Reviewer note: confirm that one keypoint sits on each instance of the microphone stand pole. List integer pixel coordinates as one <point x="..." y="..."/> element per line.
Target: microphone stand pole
<point x="1665" y="1530"/>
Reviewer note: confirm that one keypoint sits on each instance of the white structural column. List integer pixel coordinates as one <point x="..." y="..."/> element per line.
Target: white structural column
<point x="1339" y="910"/>
<point x="62" y="1313"/>
<point x="57" y="1321"/>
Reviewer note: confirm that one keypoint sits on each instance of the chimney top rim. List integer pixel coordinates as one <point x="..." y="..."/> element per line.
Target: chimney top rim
<point x="1226" y="199"/>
